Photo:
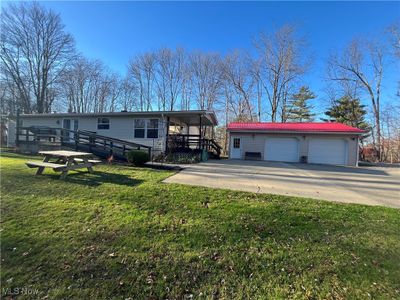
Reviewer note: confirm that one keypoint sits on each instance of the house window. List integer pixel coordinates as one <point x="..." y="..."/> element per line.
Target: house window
<point x="236" y="143"/>
<point x="139" y="128"/>
<point x="103" y="123"/>
<point x="152" y="129"/>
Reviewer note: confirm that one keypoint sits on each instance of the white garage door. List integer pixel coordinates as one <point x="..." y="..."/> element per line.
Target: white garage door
<point x="327" y="151"/>
<point x="281" y="149"/>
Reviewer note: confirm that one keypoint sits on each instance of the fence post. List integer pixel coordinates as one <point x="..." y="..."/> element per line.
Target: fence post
<point x="112" y="146"/>
<point x="76" y="135"/>
<point x="61" y="136"/>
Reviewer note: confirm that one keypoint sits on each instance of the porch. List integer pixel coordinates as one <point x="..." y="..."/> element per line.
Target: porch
<point x="192" y="131"/>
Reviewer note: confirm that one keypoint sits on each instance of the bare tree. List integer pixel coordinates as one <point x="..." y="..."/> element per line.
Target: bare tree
<point x="112" y="84"/>
<point x="8" y="96"/>
<point x="148" y="62"/>
<point x="187" y="89"/>
<point x="90" y="87"/>
<point x="136" y="78"/>
<point x="128" y="91"/>
<point x="238" y="86"/>
<point x="170" y="76"/>
<point x="141" y="72"/>
<point x="394" y="38"/>
<point x="280" y="64"/>
<point x="361" y="64"/>
<point x="79" y="84"/>
<point x="256" y="71"/>
<point x="35" y="50"/>
<point x="391" y="133"/>
<point x="205" y="71"/>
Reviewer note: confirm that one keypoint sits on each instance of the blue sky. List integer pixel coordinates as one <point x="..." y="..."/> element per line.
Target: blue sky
<point x="115" y="31"/>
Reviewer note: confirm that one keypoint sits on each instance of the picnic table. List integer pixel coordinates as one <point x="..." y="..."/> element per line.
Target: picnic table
<point x="64" y="161"/>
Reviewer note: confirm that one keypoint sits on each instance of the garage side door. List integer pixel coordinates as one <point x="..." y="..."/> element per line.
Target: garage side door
<point x="327" y="151"/>
<point x="281" y="149"/>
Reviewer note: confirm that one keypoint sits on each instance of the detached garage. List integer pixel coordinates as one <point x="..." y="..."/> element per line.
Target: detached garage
<point x="318" y="143"/>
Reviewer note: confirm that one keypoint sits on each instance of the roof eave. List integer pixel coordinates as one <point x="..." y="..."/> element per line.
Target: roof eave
<point x="294" y="131"/>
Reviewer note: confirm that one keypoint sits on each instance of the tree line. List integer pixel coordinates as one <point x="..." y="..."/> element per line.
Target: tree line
<point x="42" y="71"/>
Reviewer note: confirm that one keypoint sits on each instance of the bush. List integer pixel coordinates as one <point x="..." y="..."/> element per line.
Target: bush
<point x="137" y="157"/>
<point x="183" y="157"/>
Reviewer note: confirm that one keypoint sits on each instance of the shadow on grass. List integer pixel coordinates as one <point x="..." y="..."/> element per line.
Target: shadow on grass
<point x="266" y="241"/>
<point x="98" y="178"/>
<point x="7" y="153"/>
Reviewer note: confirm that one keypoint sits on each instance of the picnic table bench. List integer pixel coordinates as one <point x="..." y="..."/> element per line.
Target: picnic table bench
<point x="64" y="161"/>
<point x="93" y="161"/>
<point x="42" y="164"/>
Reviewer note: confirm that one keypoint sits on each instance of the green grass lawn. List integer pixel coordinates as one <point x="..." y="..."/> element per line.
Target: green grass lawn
<point x="120" y="233"/>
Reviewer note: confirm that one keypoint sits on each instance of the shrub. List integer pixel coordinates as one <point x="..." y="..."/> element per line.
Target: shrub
<point x="137" y="157"/>
<point x="183" y="157"/>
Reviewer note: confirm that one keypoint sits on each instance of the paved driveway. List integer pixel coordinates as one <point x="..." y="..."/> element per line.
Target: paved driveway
<point x="366" y="185"/>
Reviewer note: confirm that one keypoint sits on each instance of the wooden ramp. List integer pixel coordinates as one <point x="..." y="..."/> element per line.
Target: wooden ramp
<point x="34" y="139"/>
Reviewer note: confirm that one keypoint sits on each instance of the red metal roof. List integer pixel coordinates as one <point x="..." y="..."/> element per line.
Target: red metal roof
<point x="294" y="127"/>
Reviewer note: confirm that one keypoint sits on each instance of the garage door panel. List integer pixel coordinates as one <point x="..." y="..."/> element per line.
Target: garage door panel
<point x="281" y="149"/>
<point x="327" y="151"/>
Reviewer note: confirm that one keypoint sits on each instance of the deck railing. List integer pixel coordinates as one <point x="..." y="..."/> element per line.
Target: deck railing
<point x="192" y="141"/>
<point x="77" y="139"/>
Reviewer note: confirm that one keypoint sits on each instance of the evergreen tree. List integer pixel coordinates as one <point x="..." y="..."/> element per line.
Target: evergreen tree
<point x="298" y="109"/>
<point x="348" y="110"/>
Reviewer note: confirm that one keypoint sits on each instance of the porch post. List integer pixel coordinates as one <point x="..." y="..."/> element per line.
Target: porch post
<point x="200" y="143"/>
<point x="187" y="137"/>
<point x="167" y="137"/>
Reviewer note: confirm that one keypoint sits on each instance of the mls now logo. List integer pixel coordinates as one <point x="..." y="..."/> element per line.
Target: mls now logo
<point x="20" y="291"/>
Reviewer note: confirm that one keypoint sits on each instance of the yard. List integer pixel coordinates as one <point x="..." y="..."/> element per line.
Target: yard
<point x="122" y="234"/>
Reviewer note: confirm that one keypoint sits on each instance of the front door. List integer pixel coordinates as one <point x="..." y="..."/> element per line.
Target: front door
<point x="67" y="126"/>
<point x="236" y="148"/>
<point x="71" y="125"/>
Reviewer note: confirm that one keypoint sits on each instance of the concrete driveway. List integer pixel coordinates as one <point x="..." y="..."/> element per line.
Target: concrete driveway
<point x="364" y="185"/>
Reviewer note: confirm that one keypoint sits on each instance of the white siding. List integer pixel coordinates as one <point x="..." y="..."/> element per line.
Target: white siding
<point x="49" y="122"/>
<point x="120" y="128"/>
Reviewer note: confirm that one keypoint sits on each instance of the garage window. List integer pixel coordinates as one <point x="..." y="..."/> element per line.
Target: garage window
<point x="236" y="143"/>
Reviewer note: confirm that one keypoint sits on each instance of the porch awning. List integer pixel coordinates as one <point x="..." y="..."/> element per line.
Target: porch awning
<point x="192" y="118"/>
